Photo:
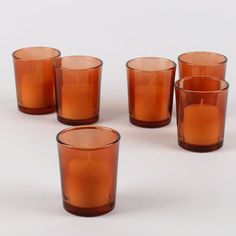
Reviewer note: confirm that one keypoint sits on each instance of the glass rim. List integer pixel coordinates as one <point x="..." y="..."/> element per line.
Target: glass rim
<point x="193" y="52"/>
<point x="78" y="56"/>
<point x="118" y="136"/>
<point x="177" y="86"/>
<point x="151" y="71"/>
<point x="36" y="47"/>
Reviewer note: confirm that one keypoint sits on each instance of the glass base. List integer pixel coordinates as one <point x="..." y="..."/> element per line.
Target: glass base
<point x="149" y="124"/>
<point x="77" y="122"/>
<point x="97" y="211"/>
<point x="199" y="148"/>
<point x="37" y="111"/>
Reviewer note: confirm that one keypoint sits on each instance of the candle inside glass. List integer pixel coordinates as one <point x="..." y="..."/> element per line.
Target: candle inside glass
<point x="88" y="161"/>
<point x="201" y="124"/>
<point x="76" y="108"/>
<point x="148" y="97"/>
<point x="201" y="107"/>
<point x="31" y="95"/>
<point x="90" y="182"/>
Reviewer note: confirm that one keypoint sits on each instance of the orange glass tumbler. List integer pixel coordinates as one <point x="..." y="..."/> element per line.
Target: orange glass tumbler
<point x="35" y="79"/>
<point x="201" y="108"/>
<point x="78" y="80"/>
<point x="202" y="64"/>
<point x="150" y="89"/>
<point x="88" y="162"/>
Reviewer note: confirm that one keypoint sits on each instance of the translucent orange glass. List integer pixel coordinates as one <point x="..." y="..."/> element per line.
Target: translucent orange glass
<point x="202" y="64"/>
<point x="201" y="108"/>
<point x="88" y="162"/>
<point x="150" y="89"/>
<point x="78" y="80"/>
<point x="35" y="79"/>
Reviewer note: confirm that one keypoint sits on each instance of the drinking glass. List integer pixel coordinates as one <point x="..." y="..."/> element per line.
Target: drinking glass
<point x="88" y="162"/>
<point x="78" y="80"/>
<point x="201" y="108"/>
<point x="34" y="78"/>
<point x="150" y="90"/>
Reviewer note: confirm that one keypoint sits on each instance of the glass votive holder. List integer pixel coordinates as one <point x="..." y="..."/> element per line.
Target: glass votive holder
<point x="201" y="108"/>
<point x="150" y="91"/>
<point x="202" y="64"/>
<point x="88" y="163"/>
<point x="78" y="81"/>
<point x="34" y="77"/>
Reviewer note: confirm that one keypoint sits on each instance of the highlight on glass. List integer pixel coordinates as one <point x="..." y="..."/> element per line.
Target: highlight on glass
<point x="202" y="64"/>
<point x="88" y="163"/>
<point x="78" y="80"/>
<point x="150" y="90"/>
<point x="34" y="78"/>
<point x="201" y="109"/>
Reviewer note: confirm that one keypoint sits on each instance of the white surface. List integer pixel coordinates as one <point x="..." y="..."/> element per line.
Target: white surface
<point x="162" y="189"/>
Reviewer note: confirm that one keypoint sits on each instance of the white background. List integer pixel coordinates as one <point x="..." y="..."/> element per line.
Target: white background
<point x="162" y="189"/>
